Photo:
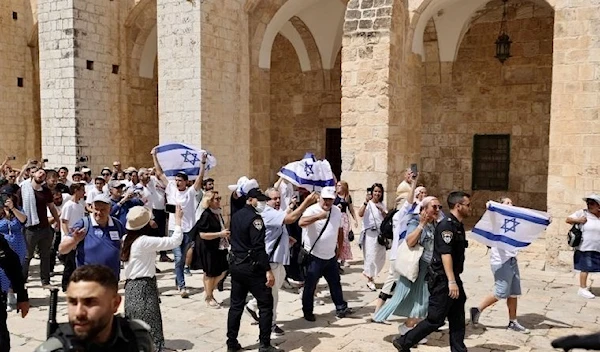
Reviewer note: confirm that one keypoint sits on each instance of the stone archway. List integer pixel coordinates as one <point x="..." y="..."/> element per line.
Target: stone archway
<point x="142" y="83"/>
<point x="295" y="89"/>
<point x="20" y="104"/>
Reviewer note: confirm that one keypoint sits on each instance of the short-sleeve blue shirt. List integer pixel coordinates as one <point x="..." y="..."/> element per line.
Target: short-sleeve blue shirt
<point x="275" y="227"/>
<point x="101" y="246"/>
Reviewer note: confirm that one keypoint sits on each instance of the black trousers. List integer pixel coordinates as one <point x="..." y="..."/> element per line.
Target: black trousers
<point x="4" y="335"/>
<point x="69" y="269"/>
<point x="245" y="278"/>
<point x="54" y="249"/>
<point x="441" y="306"/>
<point x="160" y="217"/>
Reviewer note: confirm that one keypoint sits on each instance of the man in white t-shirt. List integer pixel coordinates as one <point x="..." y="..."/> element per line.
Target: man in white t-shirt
<point x="507" y="284"/>
<point x="91" y="192"/>
<point x="178" y="193"/>
<point x="72" y="211"/>
<point x="322" y="237"/>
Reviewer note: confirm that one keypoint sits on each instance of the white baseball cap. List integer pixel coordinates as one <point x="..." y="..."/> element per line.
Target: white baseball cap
<point x="240" y="182"/>
<point x="328" y="193"/>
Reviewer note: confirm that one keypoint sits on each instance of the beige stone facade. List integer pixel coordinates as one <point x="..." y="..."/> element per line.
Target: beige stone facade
<point x="261" y="82"/>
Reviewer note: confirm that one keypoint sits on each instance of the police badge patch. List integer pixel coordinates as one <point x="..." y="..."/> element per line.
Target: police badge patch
<point x="447" y="236"/>
<point x="258" y="224"/>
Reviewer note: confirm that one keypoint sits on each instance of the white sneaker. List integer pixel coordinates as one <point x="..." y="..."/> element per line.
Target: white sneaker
<point x="9" y="308"/>
<point x="585" y="293"/>
<point x="371" y="286"/>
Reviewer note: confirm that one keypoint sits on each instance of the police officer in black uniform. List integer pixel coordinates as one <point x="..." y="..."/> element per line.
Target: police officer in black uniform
<point x="250" y="272"/>
<point x="10" y="263"/>
<point x="447" y="295"/>
<point x="92" y="300"/>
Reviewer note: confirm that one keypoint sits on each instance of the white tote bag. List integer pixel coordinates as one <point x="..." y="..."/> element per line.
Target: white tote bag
<point x="407" y="261"/>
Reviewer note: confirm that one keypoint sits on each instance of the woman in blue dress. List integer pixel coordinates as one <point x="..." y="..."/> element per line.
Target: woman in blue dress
<point x="11" y="227"/>
<point x="411" y="299"/>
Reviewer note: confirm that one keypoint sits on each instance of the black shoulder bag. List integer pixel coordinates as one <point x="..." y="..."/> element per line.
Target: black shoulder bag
<point x="304" y="255"/>
<point x="276" y="244"/>
<point x="575" y="234"/>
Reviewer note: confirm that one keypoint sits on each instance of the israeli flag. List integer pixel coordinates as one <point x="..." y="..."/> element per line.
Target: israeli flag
<point x="308" y="173"/>
<point x="508" y="227"/>
<point x="178" y="157"/>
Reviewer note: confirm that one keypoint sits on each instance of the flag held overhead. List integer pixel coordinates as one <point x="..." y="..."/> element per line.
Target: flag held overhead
<point x="178" y="157"/>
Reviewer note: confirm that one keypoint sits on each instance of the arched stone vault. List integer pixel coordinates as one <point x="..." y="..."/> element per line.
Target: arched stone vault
<point x="452" y="19"/>
<point x="320" y="17"/>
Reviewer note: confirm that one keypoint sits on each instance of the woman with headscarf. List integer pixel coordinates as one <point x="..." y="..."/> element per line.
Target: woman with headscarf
<point x="138" y="254"/>
<point x="411" y="299"/>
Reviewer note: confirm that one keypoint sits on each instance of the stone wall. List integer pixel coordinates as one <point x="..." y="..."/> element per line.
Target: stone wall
<point x="478" y="95"/>
<point x="575" y="126"/>
<point x="225" y="125"/>
<point x="303" y="106"/>
<point x="380" y="97"/>
<point x="19" y="106"/>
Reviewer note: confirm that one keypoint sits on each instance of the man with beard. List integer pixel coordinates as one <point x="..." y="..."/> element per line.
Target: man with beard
<point x="92" y="301"/>
<point x="36" y="197"/>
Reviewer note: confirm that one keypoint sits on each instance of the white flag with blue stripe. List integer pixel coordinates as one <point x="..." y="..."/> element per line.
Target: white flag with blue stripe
<point x="509" y="227"/>
<point x="178" y="157"/>
<point x="308" y="173"/>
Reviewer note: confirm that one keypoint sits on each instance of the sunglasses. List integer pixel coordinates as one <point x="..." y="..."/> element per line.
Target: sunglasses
<point x="105" y="174"/>
<point x="437" y="207"/>
<point x="216" y="198"/>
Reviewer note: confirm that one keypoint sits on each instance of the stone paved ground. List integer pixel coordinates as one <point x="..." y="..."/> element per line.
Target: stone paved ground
<point x="549" y="307"/>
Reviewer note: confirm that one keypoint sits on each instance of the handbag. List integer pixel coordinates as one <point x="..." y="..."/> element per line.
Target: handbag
<point x="381" y="239"/>
<point x="574" y="236"/>
<point x="304" y="255"/>
<point x="407" y="260"/>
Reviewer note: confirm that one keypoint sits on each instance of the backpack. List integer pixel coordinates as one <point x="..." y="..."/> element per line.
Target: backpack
<point x="387" y="228"/>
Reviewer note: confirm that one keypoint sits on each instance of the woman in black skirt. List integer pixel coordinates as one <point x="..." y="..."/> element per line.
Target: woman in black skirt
<point x="138" y="253"/>
<point x="214" y="243"/>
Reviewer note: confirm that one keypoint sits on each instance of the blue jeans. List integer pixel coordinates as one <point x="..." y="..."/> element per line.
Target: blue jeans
<point x="179" y="254"/>
<point x="330" y="271"/>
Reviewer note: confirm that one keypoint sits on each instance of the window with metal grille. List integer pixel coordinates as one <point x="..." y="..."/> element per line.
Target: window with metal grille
<point x="491" y="162"/>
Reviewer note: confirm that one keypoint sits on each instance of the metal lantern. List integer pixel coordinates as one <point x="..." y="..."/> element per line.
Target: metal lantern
<point x="503" y="42"/>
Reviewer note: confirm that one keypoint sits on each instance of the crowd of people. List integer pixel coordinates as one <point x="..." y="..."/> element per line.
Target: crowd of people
<point x="115" y="225"/>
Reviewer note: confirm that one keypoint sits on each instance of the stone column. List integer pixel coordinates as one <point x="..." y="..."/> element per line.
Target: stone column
<point x="179" y="71"/>
<point x="573" y="170"/>
<point x="78" y="92"/>
<point x="380" y="113"/>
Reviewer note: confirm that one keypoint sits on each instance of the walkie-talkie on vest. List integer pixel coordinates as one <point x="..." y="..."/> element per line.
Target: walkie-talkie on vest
<point x="52" y="325"/>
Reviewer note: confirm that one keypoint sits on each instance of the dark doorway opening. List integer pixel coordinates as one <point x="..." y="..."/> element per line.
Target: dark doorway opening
<point x="333" y="150"/>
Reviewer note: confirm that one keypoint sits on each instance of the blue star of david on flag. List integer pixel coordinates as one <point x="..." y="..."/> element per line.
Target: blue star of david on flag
<point x="308" y="169"/>
<point x="510" y="225"/>
<point x="191" y="158"/>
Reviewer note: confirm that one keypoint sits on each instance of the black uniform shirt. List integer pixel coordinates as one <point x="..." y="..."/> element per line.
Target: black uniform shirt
<point x="449" y="238"/>
<point x="248" y="236"/>
<point x="126" y="336"/>
<point x="10" y="263"/>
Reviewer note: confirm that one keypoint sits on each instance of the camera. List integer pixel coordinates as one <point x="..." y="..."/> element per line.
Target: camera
<point x="44" y="160"/>
<point x="83" y="159"/>
<point x="12" y="158"/>
<point x="370" y="190"/>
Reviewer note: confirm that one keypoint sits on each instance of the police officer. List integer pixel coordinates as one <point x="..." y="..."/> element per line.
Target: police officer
<point x="250" y="271"/>
<point x="10" y="263"/>
<point x="447" y="295"/>
<point x="92" y="301"/>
